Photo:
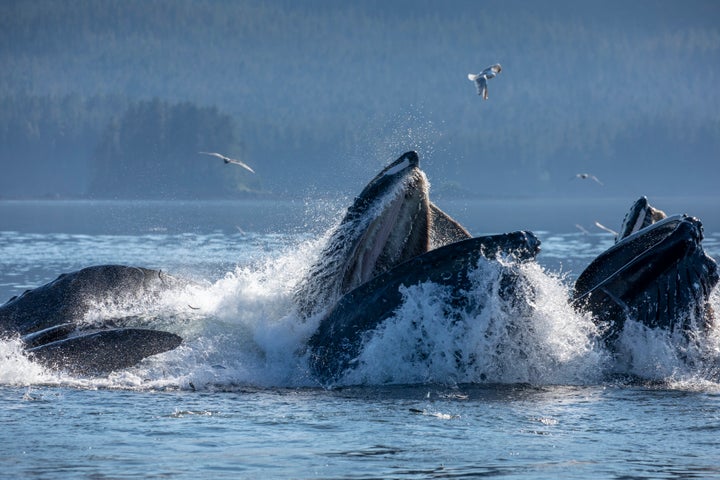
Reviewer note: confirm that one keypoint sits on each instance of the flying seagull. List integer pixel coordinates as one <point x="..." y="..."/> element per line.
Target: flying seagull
<point x="585" y="176"/>
<point x="229" y="160"/>
<point x="603" y="227"/>
<point x="481" y="79"/>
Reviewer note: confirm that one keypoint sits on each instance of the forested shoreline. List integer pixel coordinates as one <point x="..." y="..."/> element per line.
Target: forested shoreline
<point x="150" y="150"/>
<point x="113" y="99"/>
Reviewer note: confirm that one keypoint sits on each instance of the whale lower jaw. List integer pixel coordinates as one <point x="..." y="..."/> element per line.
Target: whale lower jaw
<point x="659" y="276"/>
<point x="339" y="337"/>
<point x="50" y="320"/>
<point x="100" y="352"/>
<point x="387" y="224"/>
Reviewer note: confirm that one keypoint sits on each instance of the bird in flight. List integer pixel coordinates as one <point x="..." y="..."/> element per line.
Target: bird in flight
<point x="603" y="227"/>
<point x="585" y="176"/>
<point x="481" y="79"/>
<point x="229" y="160"/>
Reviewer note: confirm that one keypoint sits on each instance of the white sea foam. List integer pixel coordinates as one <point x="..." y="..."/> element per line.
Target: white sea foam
<point x="242" y="330"/>
<point x="16" y="368"/>
<point x="674" y="358"/>
<point x="530" y="336"/>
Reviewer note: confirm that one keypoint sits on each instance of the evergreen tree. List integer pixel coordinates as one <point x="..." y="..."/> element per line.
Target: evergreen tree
<point x="151" y="151"/>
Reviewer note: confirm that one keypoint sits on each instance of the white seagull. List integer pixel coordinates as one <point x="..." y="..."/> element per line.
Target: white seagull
<point x="481" y="79"/>
<point x="585" y="176"/>
<point x="603" y="227"/>
<point x="229" y="160"/>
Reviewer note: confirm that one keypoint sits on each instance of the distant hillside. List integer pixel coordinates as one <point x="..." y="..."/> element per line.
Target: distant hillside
<point x="319" y="94"/>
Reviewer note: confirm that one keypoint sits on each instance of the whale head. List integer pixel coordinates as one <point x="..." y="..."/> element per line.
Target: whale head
<point x="659" y="276"/>
<point x="387" y="224"/>
<point x="640" y="215"/>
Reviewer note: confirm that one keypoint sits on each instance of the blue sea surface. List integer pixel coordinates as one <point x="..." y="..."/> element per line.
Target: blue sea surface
<point x="237" y="401"/>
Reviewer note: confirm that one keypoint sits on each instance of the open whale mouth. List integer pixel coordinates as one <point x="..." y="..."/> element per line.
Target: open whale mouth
<point x="362" y="261"/>
<point x="641" y="215"/>
<point x="399" y="230"/>
<point x="387" y="224"/>
<point x="655" y="275"/>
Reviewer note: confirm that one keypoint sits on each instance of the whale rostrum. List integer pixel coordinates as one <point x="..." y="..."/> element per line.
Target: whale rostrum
<point x="657" y="273"/>
<point x="390" y="222"/>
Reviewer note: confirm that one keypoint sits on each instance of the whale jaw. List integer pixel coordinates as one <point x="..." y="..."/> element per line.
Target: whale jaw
<point x="659" y="276"/>
<point x="387" y="224"/>
<point x="641" y="215"/>
<point x="340" y="336"/>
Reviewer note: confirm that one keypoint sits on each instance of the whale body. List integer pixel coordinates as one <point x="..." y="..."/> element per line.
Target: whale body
<point x="340" y="336"/>
<point x="657" y="273"/>
<point x="51" y="319"/>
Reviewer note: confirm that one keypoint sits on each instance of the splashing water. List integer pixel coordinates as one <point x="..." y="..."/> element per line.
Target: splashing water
<point x="531" y="336"/>
<point x="673" y="357"/>
<point x="242" y="330"/>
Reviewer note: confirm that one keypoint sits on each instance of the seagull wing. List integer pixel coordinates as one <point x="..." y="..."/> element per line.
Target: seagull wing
<point x="221" y="157"/>
<point x="585" y="176"/>
<point x="229" y="160"/>
<point x="481" y="84"/>
<point x="242" y="164"/>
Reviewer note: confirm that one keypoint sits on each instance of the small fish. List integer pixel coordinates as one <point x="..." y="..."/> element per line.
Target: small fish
<point x="481" y="79"/>
<point x="229" y="160"/>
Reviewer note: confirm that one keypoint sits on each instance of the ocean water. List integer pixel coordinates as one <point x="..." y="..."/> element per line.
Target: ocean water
<point x="511" y="393"/>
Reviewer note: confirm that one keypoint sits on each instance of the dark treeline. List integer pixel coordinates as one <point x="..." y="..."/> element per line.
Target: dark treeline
<point x="317" y="95"/>
<point x="47" y="142"/>
<point x="150" y="150"/>
<point x="153" y="148"/>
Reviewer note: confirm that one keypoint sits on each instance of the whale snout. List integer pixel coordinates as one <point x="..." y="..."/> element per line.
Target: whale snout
<point x="412" y="158"/>
<point x="407" y="160"/>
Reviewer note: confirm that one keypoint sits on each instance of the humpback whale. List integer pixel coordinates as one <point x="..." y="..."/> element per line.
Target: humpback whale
<point x="341" y="333"/>
<point x="51" y="319"/>
<point x="656" y="273"/>
<point x="391" y="236"/>
<point x="390" y="222"/>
